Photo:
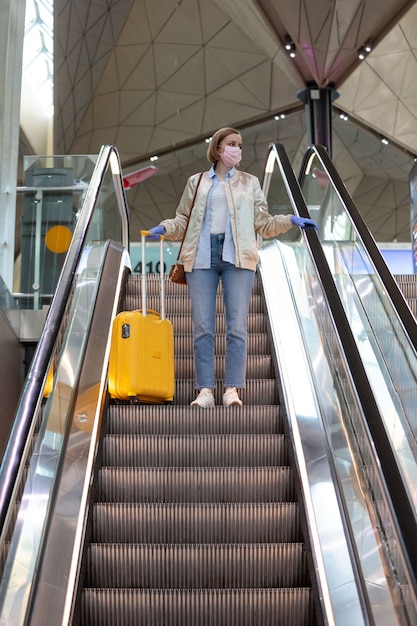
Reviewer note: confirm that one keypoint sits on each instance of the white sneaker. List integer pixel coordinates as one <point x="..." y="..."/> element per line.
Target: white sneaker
<point x="204" y="399"/>
<point x="231" y="398"/>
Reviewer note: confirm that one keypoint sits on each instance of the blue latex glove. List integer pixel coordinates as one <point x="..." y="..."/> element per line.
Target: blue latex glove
<point x="303" y="222"/>
<point x="155" y="233"/>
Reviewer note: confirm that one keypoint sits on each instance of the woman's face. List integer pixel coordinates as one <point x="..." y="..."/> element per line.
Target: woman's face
<point x="234" y="140"/>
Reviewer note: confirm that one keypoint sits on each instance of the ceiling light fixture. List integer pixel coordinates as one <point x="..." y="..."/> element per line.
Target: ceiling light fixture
<point x="385" y="141"/>
<point x="364" y="50"/>
<point x="289" y="46"/>
<point x="153" y="158"/>
<point x="288" y="42"/>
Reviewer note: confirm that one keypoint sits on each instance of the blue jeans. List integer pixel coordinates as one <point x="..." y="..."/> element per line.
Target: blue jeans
<point x="237" y="289"/>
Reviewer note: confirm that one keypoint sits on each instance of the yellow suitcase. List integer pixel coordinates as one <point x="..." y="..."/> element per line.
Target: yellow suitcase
<point x="141" y="362"/>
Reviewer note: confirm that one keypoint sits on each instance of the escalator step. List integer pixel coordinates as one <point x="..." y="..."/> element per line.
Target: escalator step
<point x="177" y="304"/>
<point x="257" y="392"/>
<point x="194" y="450"/>
<point x="196" y="485"/>
<point x="182" y="324"/>
<point x="258" y="343"/>
<point x="235" y="607"/>
<point x="172" y="419"/>
<point x="196" y="523"/>
<point x="134" y="286"/>
<point x="258" y="366"/>
<point x="197" y="566"/>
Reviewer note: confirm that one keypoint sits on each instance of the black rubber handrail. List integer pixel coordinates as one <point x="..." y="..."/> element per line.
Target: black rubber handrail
<point x="31" y="396"/>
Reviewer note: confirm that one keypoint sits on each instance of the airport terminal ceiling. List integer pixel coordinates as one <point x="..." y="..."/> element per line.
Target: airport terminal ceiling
<point x="152" y="77"/>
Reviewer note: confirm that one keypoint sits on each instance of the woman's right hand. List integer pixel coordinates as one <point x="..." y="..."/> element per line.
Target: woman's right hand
<point x="155" y="233"/>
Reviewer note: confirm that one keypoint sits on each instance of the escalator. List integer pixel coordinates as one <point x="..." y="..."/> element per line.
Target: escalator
<point x="196" y="519"/>
<point x="266" y="514"/>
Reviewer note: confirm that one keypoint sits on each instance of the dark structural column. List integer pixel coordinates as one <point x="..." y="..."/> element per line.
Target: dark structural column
<point x="318" y="105"/>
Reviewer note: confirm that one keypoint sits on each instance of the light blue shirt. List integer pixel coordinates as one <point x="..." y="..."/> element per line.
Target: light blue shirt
<point x="203" y="256"/>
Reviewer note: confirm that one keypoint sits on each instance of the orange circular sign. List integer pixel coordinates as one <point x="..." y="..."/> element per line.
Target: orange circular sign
<point x="58" y="239"/>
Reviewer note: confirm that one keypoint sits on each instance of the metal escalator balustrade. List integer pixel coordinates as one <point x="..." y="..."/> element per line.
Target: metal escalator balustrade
<point x="196" y="519"/>
<point x="335" y="425"/>
<point x="321" y="401"/>
<point x="44" y="474"/>
<point x="385" y="332"/>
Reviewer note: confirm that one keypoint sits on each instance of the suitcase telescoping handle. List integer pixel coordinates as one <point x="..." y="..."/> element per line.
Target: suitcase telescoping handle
<point x="145" y="233"/>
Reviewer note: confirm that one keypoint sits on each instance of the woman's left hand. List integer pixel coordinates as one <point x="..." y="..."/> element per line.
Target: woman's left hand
<point x="303" y="222"/>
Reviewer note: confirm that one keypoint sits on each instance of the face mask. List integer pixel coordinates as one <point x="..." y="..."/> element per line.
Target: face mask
<point x="232" y="155"/>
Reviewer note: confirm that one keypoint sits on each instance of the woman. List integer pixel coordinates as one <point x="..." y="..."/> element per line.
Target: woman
<point x="230" y="210"/>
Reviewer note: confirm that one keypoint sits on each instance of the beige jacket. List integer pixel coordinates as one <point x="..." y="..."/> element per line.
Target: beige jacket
<point x="248" y="214"/>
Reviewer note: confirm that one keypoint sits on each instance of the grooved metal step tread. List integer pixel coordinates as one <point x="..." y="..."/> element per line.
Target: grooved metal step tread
<point x="196" y="485"/>
<point x="257" y="392"/>
<point x="258" y="343"/>
<point x="258" y="366"/>
<point x="196" y="566"/>
<point x="217" y="607"/>
<point x="179" y="304"/>
<point x="173" y="419"/>
<point x="182" y="324"/>
<point x="195" y="450"/>
<point x="197" y="523"/>
<point x="153" y="281"/>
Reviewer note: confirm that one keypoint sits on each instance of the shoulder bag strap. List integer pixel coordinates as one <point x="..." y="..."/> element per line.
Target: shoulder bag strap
<point x="189" y="215"/>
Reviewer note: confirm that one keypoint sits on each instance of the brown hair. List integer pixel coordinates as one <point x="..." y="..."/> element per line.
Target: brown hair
<point x="219" y="135"/>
